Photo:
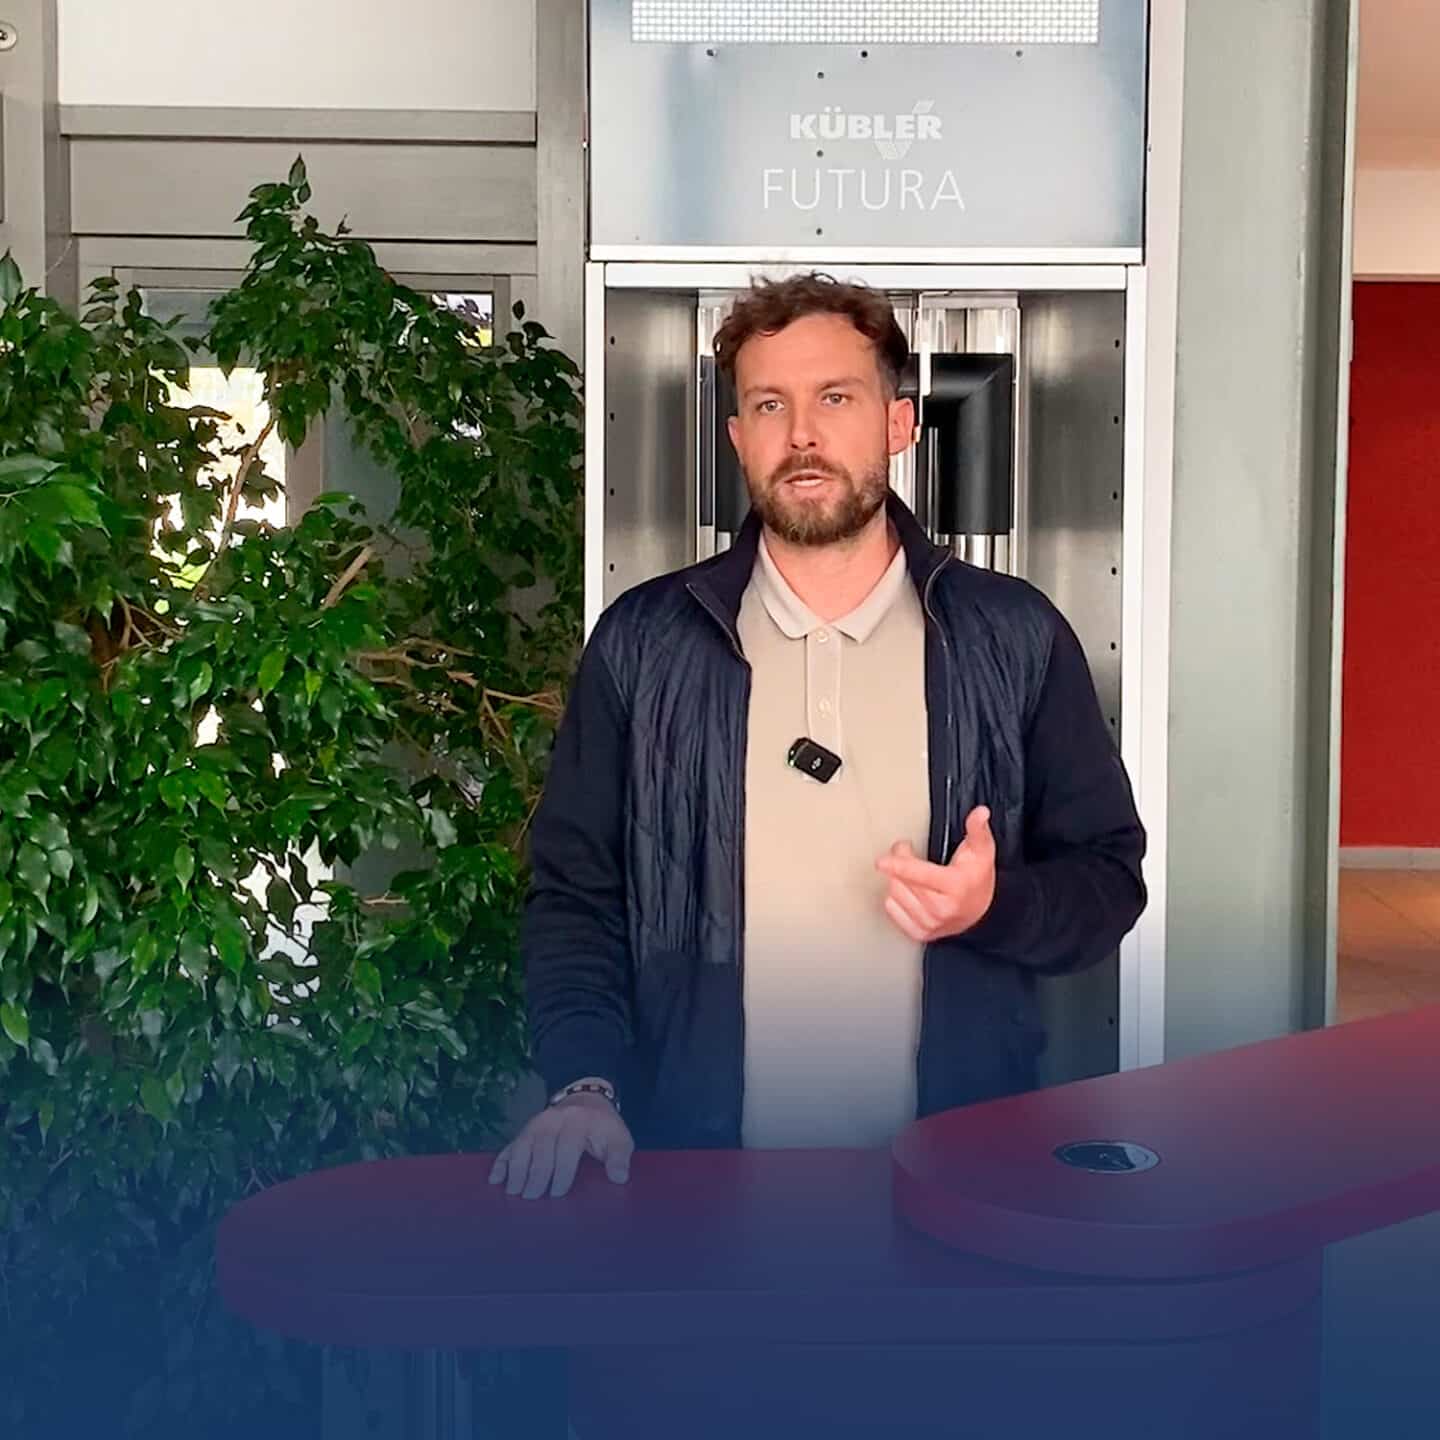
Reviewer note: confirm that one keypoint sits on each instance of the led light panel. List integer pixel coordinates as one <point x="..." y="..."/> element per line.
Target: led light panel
<point x="856" y="22"/>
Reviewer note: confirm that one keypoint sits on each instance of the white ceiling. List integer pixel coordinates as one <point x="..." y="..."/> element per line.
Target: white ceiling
<point x="1398" y="105"/>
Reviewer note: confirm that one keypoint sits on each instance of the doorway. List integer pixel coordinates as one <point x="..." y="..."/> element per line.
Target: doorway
<point x="1389" y="930"/>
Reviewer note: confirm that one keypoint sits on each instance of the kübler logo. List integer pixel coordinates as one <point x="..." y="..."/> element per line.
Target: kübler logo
<point x="893" y="134"/>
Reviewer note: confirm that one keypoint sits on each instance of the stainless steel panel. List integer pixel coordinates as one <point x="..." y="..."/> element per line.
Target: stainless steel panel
<point x="990" y="147"/>
<point x="1067" y="540"/>
<point x="650" y="404"/>
<point x="1072" y="397"/>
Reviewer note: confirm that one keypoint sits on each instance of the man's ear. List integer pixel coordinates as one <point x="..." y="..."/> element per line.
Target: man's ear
<point x="901" y="425"/>
<point x="733" y="426"/>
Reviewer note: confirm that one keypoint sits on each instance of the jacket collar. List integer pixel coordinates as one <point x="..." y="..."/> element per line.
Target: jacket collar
<point x="720" y="583"/>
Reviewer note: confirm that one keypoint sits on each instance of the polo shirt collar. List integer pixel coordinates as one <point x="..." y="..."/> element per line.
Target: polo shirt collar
<point x="796" y="620"/>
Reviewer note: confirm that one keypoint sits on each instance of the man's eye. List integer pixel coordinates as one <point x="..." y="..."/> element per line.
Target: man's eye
<point x="837" y="397"/>
<point x="768" y="407"/>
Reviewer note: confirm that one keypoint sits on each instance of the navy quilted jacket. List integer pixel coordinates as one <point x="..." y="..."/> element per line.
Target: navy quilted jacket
<point x="632" y="939"/>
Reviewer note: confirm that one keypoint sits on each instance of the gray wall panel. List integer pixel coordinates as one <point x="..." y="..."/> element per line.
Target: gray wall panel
<point x="184" y="122"/>
<point x="391" y="191"/>
<point x="227" y="256"/>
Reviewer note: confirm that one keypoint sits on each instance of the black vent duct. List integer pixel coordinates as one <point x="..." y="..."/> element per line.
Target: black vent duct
<point x="724" y="496"/>
<point x="964" y="460"/>
<point x="966" y="450"/>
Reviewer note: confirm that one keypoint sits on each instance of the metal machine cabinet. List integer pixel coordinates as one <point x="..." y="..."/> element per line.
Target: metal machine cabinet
<point x="734" y="140"/>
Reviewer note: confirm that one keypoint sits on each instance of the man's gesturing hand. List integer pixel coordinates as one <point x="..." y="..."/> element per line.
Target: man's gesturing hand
<point x="931" y="902"/>
<point x="548" y="1150"/>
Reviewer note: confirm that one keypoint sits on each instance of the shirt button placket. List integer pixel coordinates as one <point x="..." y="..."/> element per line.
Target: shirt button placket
<point x="828" y="689"/>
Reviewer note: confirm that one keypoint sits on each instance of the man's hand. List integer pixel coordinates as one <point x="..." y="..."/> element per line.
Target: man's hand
<point x="548" y="1150"/>
<point x="931" y="902"/>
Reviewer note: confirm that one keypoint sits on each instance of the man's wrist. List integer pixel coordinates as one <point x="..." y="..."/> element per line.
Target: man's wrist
<point x="1007" y="913"/>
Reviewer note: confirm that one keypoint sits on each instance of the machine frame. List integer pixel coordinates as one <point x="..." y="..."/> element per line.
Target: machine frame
<point x="1145" y="577"/>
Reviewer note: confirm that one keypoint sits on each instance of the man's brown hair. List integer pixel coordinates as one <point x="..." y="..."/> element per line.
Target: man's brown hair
<point x="771" y="305"/>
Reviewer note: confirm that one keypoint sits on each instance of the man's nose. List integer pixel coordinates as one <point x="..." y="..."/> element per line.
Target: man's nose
<point x="804" y="434"/>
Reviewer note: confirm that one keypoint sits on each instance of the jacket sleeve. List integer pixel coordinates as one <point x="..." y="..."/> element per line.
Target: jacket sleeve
<point x="574" y="938"/>
<point x="1078" y="889"/>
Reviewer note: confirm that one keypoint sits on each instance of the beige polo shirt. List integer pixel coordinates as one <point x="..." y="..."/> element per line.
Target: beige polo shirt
<point x="831" y="985"/>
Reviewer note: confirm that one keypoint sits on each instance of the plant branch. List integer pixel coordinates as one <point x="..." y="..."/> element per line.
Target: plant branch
<point x="525" y="824"/>
<point x="347" y="575"/>
<point x="248" y="458"/>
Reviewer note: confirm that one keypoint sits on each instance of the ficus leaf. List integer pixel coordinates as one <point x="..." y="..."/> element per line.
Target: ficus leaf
<point x="230" y="944"/>
<point x="213" y="788"/>
<point x="184" y="865"/>
<point x="17" y="470"/>
<point x="33" y="868"/>
<point x="16" y="1024"/>
<point x="156" y="1099"/>
<point x="144" y="952"/>
<point x="272" y="667"/>
<point x="194" y="957"/>
<point x="204" y="678"/>
<point x="281" y="900"/>
<point x="10" y="281"/>
<point x="106" y="963"/>
<point x="92" y="901"/>
<point x="443" y="829"/>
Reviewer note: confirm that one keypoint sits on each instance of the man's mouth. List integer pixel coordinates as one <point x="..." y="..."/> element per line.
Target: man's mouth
<point x="808" y="479"/>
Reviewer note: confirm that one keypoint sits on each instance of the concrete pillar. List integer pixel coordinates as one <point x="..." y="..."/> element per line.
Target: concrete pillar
<point x="1261" y="379"/>
<point x="34" y="162"/>
<point x="560" y="89"/>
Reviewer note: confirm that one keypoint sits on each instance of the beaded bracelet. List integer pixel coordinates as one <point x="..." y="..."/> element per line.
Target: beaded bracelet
<point x="586" y="1087"/>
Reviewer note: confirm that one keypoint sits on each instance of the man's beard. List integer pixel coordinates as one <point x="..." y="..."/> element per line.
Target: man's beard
<point x="821" y="520"/>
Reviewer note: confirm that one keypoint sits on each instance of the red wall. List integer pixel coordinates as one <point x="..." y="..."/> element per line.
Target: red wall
<point x="1390" y="742"/>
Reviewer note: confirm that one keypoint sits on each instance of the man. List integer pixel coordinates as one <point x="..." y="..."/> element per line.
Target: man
<point x="725" y="947"/>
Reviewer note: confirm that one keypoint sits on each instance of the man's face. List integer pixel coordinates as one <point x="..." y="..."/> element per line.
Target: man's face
<point x="815" y="429"/>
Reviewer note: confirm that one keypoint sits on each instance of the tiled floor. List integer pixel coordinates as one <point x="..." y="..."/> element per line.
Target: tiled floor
<point x="1389" y="941"/>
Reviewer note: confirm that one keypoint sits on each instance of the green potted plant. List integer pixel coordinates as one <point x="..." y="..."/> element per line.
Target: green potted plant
<point x="200" y="713"/>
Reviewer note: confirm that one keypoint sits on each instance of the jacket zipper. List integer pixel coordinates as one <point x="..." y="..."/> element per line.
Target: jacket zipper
<point x="738" y="878"/>
<point x="945" y="835"/>
<point x="949" y="704"/>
